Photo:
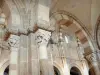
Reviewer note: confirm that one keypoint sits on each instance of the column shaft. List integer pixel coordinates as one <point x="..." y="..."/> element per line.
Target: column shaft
<point x="46" y="66"/>
<point x="34" y="55"/>
<point x="14" y="43"/>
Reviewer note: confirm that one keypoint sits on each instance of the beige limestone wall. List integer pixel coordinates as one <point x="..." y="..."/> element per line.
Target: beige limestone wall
<point x="95" y="12"/>
<point x="80" y="8"/>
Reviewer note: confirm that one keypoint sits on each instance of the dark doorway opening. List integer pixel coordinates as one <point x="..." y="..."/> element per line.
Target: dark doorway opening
<point x="91" y="71"/>
<point x="75" y="71"/>
<point x="6" y="72"/>
<point x="56" y="71"/>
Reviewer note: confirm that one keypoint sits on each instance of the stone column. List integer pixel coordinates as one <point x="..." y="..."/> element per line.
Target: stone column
<point x="23" y="56"/>
<point x="14" y="47"/>
<point x="42" y="38"/>
<point x="92" y="58"/>
<point x="34" y="55"/>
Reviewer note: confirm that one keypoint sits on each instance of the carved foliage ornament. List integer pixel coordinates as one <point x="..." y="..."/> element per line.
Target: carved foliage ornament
<point x="14" y="40"/>
<point x="42" y="37"/>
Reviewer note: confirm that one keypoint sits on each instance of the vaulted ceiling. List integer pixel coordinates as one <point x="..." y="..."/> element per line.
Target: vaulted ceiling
<point x="79" y="8"/>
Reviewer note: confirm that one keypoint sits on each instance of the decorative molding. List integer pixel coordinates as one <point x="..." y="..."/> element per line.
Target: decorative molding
<point x="18" y="32"/>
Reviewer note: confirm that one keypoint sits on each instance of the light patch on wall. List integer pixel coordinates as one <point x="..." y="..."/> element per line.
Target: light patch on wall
<point x="66" y="70"/>
<point x="85" y="70"/>
<point x="66" y="39"/>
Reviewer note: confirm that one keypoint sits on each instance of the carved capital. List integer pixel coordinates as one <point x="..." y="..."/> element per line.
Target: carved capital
<point x="92" y="57"/>
<point x="42" y="37"/>
<point x="13" y="41"/>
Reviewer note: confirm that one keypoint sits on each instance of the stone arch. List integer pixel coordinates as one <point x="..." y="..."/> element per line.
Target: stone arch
<point x="56" y="71"/>
<point x="75" y="70"/>
<point x="6" y="11"/>
<point x="79" y="25"/>
<point x="58" y="67"/>
<point x="97" y="33"/>
<point x="3" y="67"/>
<point x="6" y="71"/>
<point x="75" y="65"/>
<point x="13" y="17"/>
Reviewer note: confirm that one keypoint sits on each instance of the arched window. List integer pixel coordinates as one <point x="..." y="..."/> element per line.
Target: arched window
<point x="75" y="71"/>
<point x="66" y="39"/>
<point x="56" y="71"/>
<point x="6" y="72"/>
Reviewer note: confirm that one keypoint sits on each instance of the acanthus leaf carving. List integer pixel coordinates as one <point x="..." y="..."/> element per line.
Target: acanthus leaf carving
<point x="13" y="41"/>
<point x="42" y="37"/>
